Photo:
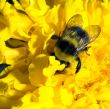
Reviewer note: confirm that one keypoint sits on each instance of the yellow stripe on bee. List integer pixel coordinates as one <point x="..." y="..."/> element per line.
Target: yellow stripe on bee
<point x="62" y="56"/>
<point x="72" y="41"/>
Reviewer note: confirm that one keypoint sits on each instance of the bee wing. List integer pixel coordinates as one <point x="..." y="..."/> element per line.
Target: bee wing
<point x="75" y="20"/>
<point x="93" y="32"/>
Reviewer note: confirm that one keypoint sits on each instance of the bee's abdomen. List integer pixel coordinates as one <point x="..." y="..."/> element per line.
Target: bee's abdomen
<point x="66" y="47"/>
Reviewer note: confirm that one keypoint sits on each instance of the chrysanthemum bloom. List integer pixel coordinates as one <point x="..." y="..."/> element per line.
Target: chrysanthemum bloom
<point x="31" y="80"/>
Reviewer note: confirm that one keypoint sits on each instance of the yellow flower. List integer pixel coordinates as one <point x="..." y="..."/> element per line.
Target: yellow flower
<point x="36" y="70"/>
<point x="36" y="79"/>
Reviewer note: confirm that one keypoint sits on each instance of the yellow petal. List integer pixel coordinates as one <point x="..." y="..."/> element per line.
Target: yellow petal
<point x="45" y="92"/>
<point x="73" y="7"/>
<point x="66" y="96"/>
<point x="18" y="23"/>
<point x="53" y="67"/>
<point x="36" y="76"/>
<point x="2" y="3"/>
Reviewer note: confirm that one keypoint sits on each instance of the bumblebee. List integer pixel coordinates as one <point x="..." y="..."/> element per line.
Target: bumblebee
<point x="73" y="40"/>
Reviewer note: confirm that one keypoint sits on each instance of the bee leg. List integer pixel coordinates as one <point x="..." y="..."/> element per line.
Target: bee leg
<point x="67" y="64"/>
<point x="86" y="49"/>
<point x="55" y="37"/>
<point x="53" y="54"/>
<point x="78" y="65"/>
